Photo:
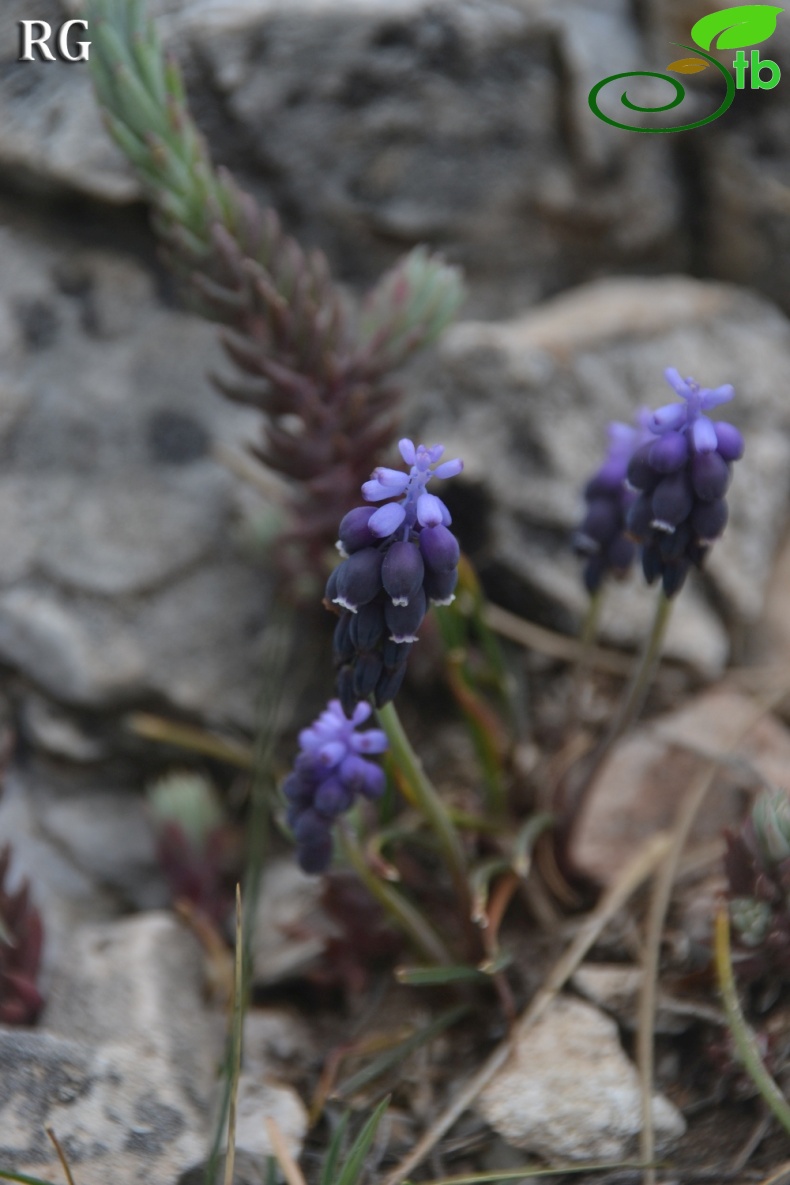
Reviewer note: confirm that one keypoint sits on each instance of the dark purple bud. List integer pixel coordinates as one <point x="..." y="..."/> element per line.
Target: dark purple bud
<point x="602" y="521"/>
<point x="293" y="814"/>
<point x="359" y="579"/>
<point x="674" y="577"/>
<point x="330" y="592"/>
<point x="439" y="548"/>
<point x="343" y="646"/>
<point x="403" y="621"/>
<point x="672" y="545"/>
<point x="367" y="626"/>
<point x="389" y="685"/>
<point x="640" y="472"/>
<point x="363" y="777"/>
<point x="332" y="798"/>
<point x="607" y="481"/>
<point x="672" y="500"/>
<point x="619" y="555"/>
<point x="402" y="571"/>
<point x="395" y="654"/>
<point x="311" y="828"/>
<point x="640" y="516"/>
<point x="439" y="587"/>
<point x="345" y="690"/>
<point x="652" y="563"/>
<point x="710" y="476"/>
<point x="298" y="790"/>
<point x="729" y="441"/>
<point x="669" y="453"/>
<point x="354" y="533"/>
<point x="315" y="858"/>
<point x="367" y="671"/>
<point x="709" y="518"/>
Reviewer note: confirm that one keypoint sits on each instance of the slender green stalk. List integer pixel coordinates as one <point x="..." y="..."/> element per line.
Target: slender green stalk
<point x="742" y="1035"/>
<point x="402" y="912"/>
<point x="428" y="801"/>
<point x="236" y="1036"/>
<point x="630" y="707"/>
<point x="589" y="632"/>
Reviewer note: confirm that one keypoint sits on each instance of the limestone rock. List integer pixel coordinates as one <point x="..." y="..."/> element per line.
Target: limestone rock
<point x="570" y="1093"/>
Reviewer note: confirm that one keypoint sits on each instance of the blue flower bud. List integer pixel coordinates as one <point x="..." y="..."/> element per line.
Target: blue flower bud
<point x="640" y="473"/>
<point x="367" y="671"/>
<point x="729" y="441"/>
<point x="389" y="685"/>
<point x="343" y="646"/>
<point x="439" y="587"/>
<point x="395" y="654"/>
<point x="710" y="476"/>
<point x="601" y="523"/>
<point x="367" y="627"/>
<point x="332" y="798"/>
<point x="439" y="548"/>
<point x="640" y="516"/>
<point x="672" y="501"/>
<point x="316" y="857"/>
<point x="674" y="576"/>
<point x="363" y="777"/>
<point x="359" y="579"/>
<point x="402" y="572"/>
<point x="709" y="519"/>
<point x="619" y="554"/>
<point x="669" y="453"/>
<point x="354" y="532"/>
<point x="403" y="621"/>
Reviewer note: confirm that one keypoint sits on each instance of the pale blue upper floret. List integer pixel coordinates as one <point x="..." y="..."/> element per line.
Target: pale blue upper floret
<point x="333" y="736"/>
<point x="675" y="417"/>
<point x="416" y="507"/>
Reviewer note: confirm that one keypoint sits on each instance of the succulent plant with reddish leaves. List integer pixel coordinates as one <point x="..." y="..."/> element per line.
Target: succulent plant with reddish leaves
<point x="757" y="864"/>
<point x="21" y="940"/>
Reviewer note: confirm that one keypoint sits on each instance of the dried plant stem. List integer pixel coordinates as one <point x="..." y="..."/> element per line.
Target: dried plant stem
<point x="61" y="1155"/>
<point x="238" y="1026"/>
<point x="429" y="803"/>
<point x="290" y="1169"/>
<point x="742" y="1035"/>
<point x="641" y="867"/>
<point x="537" y="637"/>
<point x="659" y="905"/>
<point x="417" y="928"/>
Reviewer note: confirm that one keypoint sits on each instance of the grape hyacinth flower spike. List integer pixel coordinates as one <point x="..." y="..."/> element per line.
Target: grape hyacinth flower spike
<point x="602" y="539"/>
<point x="330" y="772"/>
<point x="398" y="557"/>
<point x="681" y="475"/>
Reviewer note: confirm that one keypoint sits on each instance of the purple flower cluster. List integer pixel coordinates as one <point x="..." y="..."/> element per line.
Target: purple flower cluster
<point x="398" y="557"/>
<point x="602" y="537"/>
<point x="328" y="775"/>
<point x="681" y="475"/>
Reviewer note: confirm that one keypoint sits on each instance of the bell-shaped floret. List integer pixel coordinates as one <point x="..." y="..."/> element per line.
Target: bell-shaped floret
<point x="403" y="621"/>
<point x="439" y="587"/>
<point x="354" y="532"/>
<point x="669" y="453"/>
<point x="729" y="442"/>
<point x="710" y="475"/>
<point x="709" y="519"/>
<point x="672" y="501"/>
<point x="439" y="548"/>
<point x="363" y="777"/>
<point x="359" y="579"/>
<point x="402" y="572"/>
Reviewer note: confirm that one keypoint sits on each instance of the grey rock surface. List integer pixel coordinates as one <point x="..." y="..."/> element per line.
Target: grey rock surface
<point x="570" y="1093"/>
<point x="122" y="584"/>
<point x="376" y="124"/>
<point x="527" y="401"/>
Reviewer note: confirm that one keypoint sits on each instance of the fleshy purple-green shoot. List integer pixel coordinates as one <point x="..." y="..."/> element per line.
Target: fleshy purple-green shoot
<point x="398" y="557"/>
<point x="331" y="770"/>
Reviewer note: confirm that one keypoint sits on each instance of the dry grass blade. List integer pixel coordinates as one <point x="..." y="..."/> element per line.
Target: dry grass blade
<point x="780" y="1177"/>
<point x="238" y="1025"/>
<point x="61" y="1155"/>
<point x="633" y="875"/>
<point x="537" y="637"/>
<point x="659" y="905"/>
<point x="291" y="1171"/>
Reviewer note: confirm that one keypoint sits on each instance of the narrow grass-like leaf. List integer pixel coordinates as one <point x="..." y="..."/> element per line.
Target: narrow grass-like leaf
<point x="391" y="1057"/>
<point x="529" y="1171"/>
<point x="433" y="976"/>
<point x="237" y="1029"/>
<point x="22" y="1178"/>
<point x="332" y="1154"/>
<point x="355" y="1161"/>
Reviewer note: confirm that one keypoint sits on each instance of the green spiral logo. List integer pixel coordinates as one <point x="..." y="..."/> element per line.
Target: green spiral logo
<point x="680" y="95"/>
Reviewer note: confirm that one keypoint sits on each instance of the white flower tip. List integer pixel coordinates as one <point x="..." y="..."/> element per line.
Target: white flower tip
<point x="344" y="604"/>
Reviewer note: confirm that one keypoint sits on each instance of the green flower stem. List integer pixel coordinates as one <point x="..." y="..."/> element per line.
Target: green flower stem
<point x="631" y="705"/>
<point x="406" y="917"/>
<point x="428" y="801"/>
<point x="742" y="1035"/>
